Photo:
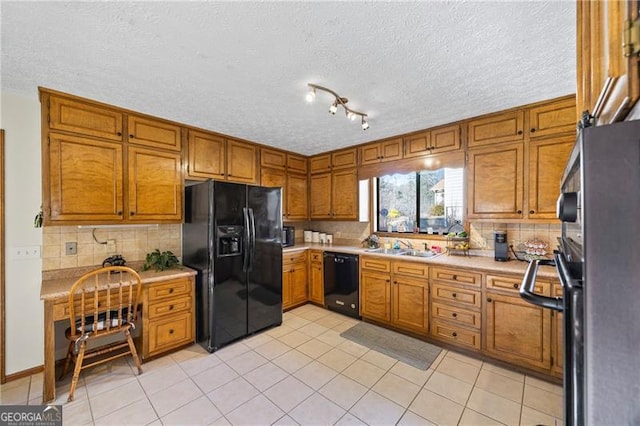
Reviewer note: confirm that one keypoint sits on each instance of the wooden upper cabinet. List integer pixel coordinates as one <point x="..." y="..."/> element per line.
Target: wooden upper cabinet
<point x="155" y="185"/>
<point x="553" y="118"/>
<point x="154" y="133"/>
<point x="434" y="141"/>
<point x="495" y="182"/>
<point x="344" y="158"/>
<point x="242" y="162"/>
<point x="84" y="180"/>
<point x="207" y="154"/>
<point x="272" y="158"/>
<point x="344" y="197"/>
<point x="383" y="151"/>
<point x="297" y="205"/>
<point x="320" y="196"/>
<point x="85" y="118"/>
<point x="608" y="58"/>
<point x="547" y="160"/>
<point x="320" y="163"/>
<point x="274" y="178"/>
<point x="497" y="128"/>
<point x="296" y="163"/>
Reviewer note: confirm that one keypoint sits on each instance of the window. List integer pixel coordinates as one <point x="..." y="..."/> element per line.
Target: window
<point x="425" y="201"/>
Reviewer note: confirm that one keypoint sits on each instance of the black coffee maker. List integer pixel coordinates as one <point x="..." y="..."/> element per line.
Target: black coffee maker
<point x="501" y="247"/>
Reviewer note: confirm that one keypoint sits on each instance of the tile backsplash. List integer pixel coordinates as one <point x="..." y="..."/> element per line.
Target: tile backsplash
<point x="132" y="243"/>
<point x="481" y="234"/>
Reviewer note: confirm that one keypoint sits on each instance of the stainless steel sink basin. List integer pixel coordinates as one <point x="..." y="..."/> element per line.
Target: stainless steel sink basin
<point x="418" y="253"/>
<point x="386" y="251"/>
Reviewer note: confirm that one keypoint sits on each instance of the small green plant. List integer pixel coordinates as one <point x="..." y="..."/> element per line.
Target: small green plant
<point x="437" y="210"/>
<point x="160" y="260"/>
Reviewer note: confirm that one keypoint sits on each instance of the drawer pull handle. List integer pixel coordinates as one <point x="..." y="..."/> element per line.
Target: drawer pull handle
<point x="171" y="307"/>
<point x="395" y="282"/>
<point x="455" y="277"/>
<point x="131" y="136"/>
<point x="454" y="295"/>
<point x="489" y="300"/>
<point x="515" y="285"/>
<point x="454" y="334"/>
<point x="171" y="331"/>
<point x="454" y="314"/>
<point x="170" y="290"/>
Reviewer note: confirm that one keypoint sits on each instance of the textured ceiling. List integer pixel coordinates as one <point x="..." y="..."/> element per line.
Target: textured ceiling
<point x="241" y="68"/>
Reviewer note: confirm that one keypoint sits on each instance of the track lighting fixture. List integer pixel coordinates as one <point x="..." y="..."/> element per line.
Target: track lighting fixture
<point x="351" y="114"/>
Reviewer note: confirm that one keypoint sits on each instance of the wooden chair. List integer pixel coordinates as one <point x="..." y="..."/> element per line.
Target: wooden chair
<point x="102" y="303"/>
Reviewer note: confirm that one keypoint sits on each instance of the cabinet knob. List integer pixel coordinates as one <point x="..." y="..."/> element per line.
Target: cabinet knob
<point x="533" y="130"/>
<point x="395" y="282"/>
<point x="455" y="277"/>
<point x="515" y="285"/>
<point x="519" y="132"/>
<point x="119" y="133"/>
<point x="489" y="300"/>
<point x="132" y="213"/>
<point x="171" y="307"/>
<point x="171" y="331"/>
<point x="454" y="295"/>
<point x="454" y="334"/>
<point x="454" y="314"/>
<point x="519" y="211"/>
<point x="170" y="290"/>
<point x="119" y="213"/>
<point x="131" y="136"/>
<point x="532" y="211"/>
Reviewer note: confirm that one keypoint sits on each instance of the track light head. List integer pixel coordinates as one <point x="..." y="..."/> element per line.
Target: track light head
<point x="333" y="108"/>
<point x="365" y="124"/>
<point x="311" y="95"/>
<point x="351" y="114"/>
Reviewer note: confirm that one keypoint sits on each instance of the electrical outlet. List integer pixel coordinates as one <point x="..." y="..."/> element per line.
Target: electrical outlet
<point x="21" y="253"/>
<point x="71" y="248"/>
<point x="111" y="246"/>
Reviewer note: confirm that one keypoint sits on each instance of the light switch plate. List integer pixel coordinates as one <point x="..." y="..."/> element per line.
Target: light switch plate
<point x="22" y="253"/>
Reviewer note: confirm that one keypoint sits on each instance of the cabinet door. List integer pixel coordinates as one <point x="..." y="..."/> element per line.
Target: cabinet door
<point x="370" y="154"/>
<point x="154" y="133"/>
<point x="344" y="159"/>
<point x="84" y="178"/>
<point x="84" y="118"/>
<point x="553" y="118"/>
<point x="445" y="139"/>
<point x="375" y="296"/>
<point x="417" y="145"/>
<point x="273" y="178"/>
<point x="316" y="283"/>
<point x="547" y="160"/>
<point x="495" y="182"/>
<point x="299" y="283"/>
<point x="155" y="185"/>
<point x="296" y="200"/>
<point x="207" y="155"/>
<point x="504" y="127"/>
<point x="287" y="283"/>
<point x="410" y="304"/>
<point x="241" y="162"/>
<point x="320" y="196"/>
<point x="320" y="164"/>
<point x="391" y="150"/>
<point x="344" y="196"/>
<point x="296" y="163"/>
<point x="518" y="331"/>
<point x="273" y="159"/>
<point x="557" y="335"/>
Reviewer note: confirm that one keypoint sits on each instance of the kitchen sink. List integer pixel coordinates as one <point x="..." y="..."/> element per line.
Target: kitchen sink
<point x="386" y="251"/>
<point x="418" y="253"/>
<point x="402" y="252"/>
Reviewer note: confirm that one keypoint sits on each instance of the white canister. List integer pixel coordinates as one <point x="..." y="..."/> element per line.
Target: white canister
<point x="315" y="238"/>
<point x="323" y="237"/>
<point x="308" y="235"/>
<point x="329" y="238"/>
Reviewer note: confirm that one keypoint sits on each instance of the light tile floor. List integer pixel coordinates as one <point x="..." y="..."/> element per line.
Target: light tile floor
<point x="303" y="373"/>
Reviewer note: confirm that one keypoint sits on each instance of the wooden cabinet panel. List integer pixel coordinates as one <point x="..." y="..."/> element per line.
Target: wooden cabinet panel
<point x="170" y="333"/>
<point x="553" y="118"/>
<point x="168" y="307"/>
<point x="242" y="162"/>
<point x="85" y="118"/>
<point x="275" y="178"/>
<point x="446" y="293"/>
<point x="169" y="289"/>
<point x="375" y="296"/>
<point x="518" y="331"/>
<point x="370" y="154"/>
<point x="417" y="145"/>
<point x="273" y="159"/>
<point x="455" y="335"/>
<point x="316" y="277"/>
<point x="456" y="276"/>
<point x="155" y="185"/>
<point x="410" y="304"/>
<point x="344" y="159"/>
<point x="296" y="197"/>
<point x="456" y="314"/>
<point x="557" y="335"/>
<point x="547" y="160"/>
<point x="299" y="283"/>
<point x="154" y="133"/>
<point x="344" y="197"/>
<point x="294" y="279"/>
<point x="296" y="163"/>
<point x="411" y="269"/>
<point x="375" y="263"/>
<point x="207" y="154"/>
<point x="495" y="182"/>
<point x="512" y="284"/>
<point x="320" y="196"/>
<point x="434" y="141"/>
<point x="85" y="179"/>
<point x="498" y="128"/>
<point x="320" y="163"/>
<point x="383" y="151"/>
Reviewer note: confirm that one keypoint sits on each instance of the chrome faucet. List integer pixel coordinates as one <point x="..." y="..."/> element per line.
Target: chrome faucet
<point x="406" y="243"/>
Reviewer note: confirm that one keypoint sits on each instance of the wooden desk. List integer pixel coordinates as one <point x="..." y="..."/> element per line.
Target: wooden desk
<point x="55" y="294"/>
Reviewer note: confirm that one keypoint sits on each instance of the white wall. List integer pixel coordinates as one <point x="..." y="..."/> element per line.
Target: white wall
<point x="20" y="118"/>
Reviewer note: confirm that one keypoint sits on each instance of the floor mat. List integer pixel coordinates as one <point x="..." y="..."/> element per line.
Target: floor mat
<point x="407" y="349"/>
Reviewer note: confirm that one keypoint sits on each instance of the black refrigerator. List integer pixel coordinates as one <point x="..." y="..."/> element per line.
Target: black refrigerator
<point x="232" y="236"/>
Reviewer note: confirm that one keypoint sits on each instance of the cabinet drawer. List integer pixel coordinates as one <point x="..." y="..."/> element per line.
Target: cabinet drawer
<point x="455" y="335"/>
<point x="172" y="332"/>
<point x="294" y="257"/>
<point x="455" y="314"/>
<point x="412" y="269"/>
<point x="557" y="290"/>
<point x="458" y="277"/>
<point x="61" y="306"/>
<point x="171" y="289"/>
<point x="169" y="306"/>
<point x="512" y="284"/>
<point x="375" y="264"/>
<point x="444" y="293"/>
<point x="315" y="256"/>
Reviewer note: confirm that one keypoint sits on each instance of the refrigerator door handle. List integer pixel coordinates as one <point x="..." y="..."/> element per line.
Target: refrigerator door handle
<point x="247" y="240"/>
<point x="252" y="239"/>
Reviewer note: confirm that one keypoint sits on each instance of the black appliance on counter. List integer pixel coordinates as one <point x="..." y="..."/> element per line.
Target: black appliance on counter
<point x="232" y="236"/>
<point x="501" y="248"/>
<point x="288" y="236"/>
<point x="598" y="262"/>
<point x="341" y="283"/>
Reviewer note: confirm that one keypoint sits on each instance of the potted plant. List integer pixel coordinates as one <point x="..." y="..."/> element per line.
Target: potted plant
<point x="160" y="260"/>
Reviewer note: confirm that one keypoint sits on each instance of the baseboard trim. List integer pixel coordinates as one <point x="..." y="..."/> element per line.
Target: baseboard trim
<point x="23" y="373"/>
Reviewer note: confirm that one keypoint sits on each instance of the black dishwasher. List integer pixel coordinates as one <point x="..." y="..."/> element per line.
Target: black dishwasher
<point x="341" y="283"/>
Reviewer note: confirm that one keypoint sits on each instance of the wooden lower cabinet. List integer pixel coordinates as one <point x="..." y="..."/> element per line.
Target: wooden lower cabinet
<point x="396" y="293"/>
<point x="316" y="277"/>
<point x="557" y="336"/>
<point x="294" y="279"/>
<point x="518" y="331"/>
<point x="168" y="315"/>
